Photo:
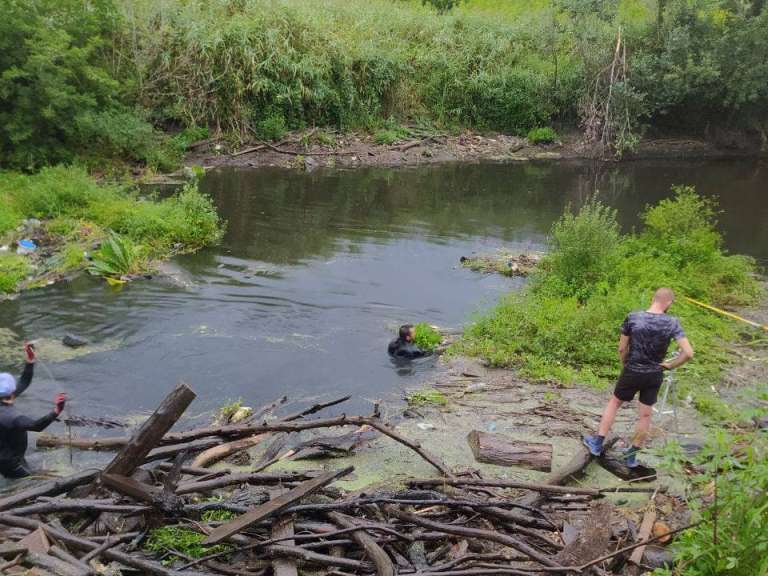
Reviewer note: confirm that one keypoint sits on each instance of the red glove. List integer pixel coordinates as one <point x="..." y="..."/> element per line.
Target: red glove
<point x="60" y="401"/>
<point x="29" y="350"/>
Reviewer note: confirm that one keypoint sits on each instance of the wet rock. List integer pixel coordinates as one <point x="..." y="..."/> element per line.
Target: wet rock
<point x="310" y="164"/>
<point x="658" y="557"/>
<point x="72" y="341"/>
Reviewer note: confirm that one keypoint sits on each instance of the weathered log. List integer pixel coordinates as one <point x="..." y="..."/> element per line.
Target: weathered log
<point x="132" y="455"/>
<point x="573" y="469"/>
<point x="384" y="566"/>
<point x="243" y="478"/>
<point x="282" y="530"/>
<point x="496" y="449"/>
<point x="616" y="464"/>
<point x="239" y="431"/>
<point x="315" y="558"/>
<point x="646" y="526"/>
<point x="84" y="544"/>
<point x="51" y="488"/>
<point x="490" y="535"/>
<point x="499" y="483"/>
<point x="11" y="549"/>
<point x="171" y="451"/>
<point x="217" y="453"/>
<point x="76" y="505"/>
<point x="131" y="487"/>
<point x="53" y="565"/>
<point x="62" y="554"/>
<point x="274" y="506"/>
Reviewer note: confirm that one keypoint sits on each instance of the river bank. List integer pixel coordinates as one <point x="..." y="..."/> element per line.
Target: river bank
<point x="317" y="148"/>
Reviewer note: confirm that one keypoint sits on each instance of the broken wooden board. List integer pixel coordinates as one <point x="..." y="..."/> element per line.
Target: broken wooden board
<point x="274" y="506"/>
<point x="496" y="449"/>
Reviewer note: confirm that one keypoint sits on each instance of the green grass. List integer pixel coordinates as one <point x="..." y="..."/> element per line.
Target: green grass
<point x="175" y="538"/>
<point x="428" y="396"/>
<point x="542" y="136"/>
<point x="426" y="337"/>
<point x="563" y="327"/>
<point x="13" y="269"/>
<point x="80" y="212"/>
<point x="739" y="516"/>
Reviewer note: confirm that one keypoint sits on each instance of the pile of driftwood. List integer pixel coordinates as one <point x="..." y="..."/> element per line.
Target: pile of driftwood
<point x="284" y="523"/>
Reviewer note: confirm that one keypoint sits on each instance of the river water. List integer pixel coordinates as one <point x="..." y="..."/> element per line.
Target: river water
<point x="317" y="270"/>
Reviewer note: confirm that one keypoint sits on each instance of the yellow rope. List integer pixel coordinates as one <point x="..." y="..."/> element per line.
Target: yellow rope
<point x="726" y="313"/>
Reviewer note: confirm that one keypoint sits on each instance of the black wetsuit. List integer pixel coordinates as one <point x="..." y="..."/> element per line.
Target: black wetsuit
<point x="14" y="428"/>
<point x="400" y="348"/>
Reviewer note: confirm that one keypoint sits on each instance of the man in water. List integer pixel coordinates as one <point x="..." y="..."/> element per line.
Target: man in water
<point x="14" y="426"/>
<point x="403" y="347"/>
<point x="645" y="337"/>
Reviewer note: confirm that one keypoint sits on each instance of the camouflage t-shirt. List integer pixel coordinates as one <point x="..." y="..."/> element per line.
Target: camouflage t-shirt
<point x="649" y="337"/>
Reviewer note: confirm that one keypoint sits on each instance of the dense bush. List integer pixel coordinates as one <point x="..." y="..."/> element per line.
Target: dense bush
<point x="564" y="326"/>
<point x="79" y="211"/>
<point x="90" y="80"/>
<point x="542" y="136"/>
<point x="732" y="538"/>
<point x="58" y="97"/>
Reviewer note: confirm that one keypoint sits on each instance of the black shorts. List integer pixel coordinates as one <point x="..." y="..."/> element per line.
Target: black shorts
<point x="647" y="383"/>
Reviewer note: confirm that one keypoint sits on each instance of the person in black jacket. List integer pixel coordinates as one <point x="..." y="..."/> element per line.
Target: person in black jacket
<point x="14" y="426"/>
<point x="403" y="347"/>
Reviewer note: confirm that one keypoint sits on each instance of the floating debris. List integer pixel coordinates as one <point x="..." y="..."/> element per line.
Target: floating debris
<point x="502" y="262"/>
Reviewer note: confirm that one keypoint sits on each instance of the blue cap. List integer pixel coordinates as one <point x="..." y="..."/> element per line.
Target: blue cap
<point x="7" y="385"/>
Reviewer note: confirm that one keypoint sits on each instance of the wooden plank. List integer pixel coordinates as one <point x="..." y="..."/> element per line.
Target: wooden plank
<point x="274" y="506"/>
<point x="496" y="449"/>
<point x="51" y="488"/>
<point x="130" y="487"/>
<point x="151" y="432"/>
<point x="384" y="565"/>
<point x="221" y="451"/>
<point x="645" y="531"/>
<point x="282" y="528"/>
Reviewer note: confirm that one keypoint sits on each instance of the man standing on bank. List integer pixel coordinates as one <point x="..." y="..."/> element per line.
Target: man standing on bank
<point x="645" y="338"/>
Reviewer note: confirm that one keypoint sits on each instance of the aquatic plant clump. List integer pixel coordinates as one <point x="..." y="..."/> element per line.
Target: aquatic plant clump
<point x="73" y="218"/>
<point x="563" y="326"/>
<point x="426" y="337"/>
<point x="426" y="397"/>
<point x="170" y="539"/>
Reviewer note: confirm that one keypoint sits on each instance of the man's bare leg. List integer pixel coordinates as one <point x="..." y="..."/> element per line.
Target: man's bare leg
<point x="609" y="415"/>
<point x="644" y="413"/>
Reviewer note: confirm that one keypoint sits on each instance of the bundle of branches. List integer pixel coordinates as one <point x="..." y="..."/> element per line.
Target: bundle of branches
<point x="153" y="512"/>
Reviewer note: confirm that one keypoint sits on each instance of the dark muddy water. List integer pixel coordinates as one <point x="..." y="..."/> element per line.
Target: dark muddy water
<point x="317" y="270"/>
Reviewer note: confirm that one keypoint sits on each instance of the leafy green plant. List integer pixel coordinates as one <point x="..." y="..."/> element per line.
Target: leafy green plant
<point x="228" y="410"/>
<point x="425" y="397"/>
<point x="563" y="326"/>
<point x="273" y="127"/>
<point x="217" y="515"/>
<point x="732" y="538"/>
<point x="389" y="136"/>
<point x="426" y="337"/>
<point x="542" y="136"/>
<point x="167" y="539"/>
<point x="13" y="269"/>
<point x="117" y="256"/>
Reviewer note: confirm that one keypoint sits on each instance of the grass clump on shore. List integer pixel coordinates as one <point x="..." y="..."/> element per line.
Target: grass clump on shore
<point x="542" y="136"/>
<point x="426" y="337"/>
<point x="426" y="397"/>
<point x="77" y="214"/>
<point x="564" y="326"/>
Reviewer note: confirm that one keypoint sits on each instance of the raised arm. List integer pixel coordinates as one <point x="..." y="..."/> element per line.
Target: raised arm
<point x="29" y="369"/>
<point x="685" y="353"/>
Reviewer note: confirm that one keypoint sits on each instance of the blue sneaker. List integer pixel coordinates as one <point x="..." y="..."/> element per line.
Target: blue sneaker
<point x="630" y="457"/>
<point x="594" y="444"/>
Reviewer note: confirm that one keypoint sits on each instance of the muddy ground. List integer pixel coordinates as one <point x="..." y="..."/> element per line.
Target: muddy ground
<point x="300" y="150"/>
